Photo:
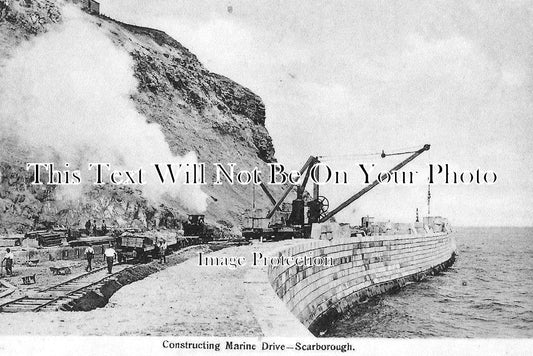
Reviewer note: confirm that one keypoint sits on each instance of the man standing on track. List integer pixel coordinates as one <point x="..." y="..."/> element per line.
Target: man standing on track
<point x="163" y="252"/>
<point x="110" y="254"/>
<point x="89" y="253"/>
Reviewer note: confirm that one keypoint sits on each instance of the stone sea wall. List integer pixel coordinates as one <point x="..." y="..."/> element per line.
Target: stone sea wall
<point x="361" y="267"/>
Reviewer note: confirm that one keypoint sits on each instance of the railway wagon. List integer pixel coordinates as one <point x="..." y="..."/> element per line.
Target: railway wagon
<point x="184" y="241"/>
<point x="138" y="247"/>
<point x="143" y="247"/>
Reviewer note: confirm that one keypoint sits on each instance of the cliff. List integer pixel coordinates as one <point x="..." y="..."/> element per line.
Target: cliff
<point x="197" y="111"/>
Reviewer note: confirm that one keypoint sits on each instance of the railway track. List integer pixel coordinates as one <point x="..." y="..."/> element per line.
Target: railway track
<point x="54" y="297"/>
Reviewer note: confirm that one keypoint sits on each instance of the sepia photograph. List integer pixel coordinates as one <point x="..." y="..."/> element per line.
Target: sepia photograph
<point x="275" y="176"/>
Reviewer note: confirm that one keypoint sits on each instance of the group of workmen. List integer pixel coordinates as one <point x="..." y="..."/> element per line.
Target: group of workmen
<point x="91" y="229"/>
<point x="110" y="255"/>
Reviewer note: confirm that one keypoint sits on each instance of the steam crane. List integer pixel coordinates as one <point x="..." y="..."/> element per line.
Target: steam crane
<point x="297" y="215"/>
<point x="296" y="222"/>
<point x="296" y="225"/>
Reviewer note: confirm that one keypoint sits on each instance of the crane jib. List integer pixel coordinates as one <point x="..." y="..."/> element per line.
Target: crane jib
<point x="372" y="185"/>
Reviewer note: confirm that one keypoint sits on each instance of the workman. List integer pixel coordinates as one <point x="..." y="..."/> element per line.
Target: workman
<point x="89" y="254"/>
<point x="163" y="252"/>
<point x="110" y="255"/>
<point x="8" y="259"/>
<point x="88" y="227"/>
<point x="104" y="228"/>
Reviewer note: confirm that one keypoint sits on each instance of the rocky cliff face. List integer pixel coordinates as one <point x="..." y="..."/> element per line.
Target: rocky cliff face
<point x="197" y="110"/>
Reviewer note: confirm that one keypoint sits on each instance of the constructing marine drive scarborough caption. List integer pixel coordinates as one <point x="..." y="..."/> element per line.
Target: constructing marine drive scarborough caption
<point x="196" y="173"/>
<point x="263" y="346"/>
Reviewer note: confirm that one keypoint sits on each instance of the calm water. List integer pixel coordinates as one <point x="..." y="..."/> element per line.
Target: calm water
<point x="488" y="292"/>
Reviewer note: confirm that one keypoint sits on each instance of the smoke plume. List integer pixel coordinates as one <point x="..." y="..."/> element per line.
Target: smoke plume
<point x="67" y="94"/>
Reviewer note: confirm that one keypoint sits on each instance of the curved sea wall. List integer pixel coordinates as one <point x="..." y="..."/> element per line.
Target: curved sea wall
<point x="360" y="267"/>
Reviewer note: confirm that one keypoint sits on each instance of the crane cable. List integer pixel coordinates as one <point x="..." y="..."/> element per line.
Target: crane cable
<point x="346" y="156"/>
<point x="395" y="152"/>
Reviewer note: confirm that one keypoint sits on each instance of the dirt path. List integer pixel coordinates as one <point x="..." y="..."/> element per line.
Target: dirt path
<point x="186" y="299"/>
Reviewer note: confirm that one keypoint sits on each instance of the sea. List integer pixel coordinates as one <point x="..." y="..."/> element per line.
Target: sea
<point x="487" y="293"/>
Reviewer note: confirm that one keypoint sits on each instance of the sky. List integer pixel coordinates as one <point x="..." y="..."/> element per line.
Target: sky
<point x="357" y="77"/>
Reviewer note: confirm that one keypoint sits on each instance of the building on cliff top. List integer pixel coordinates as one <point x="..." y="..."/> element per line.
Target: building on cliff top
<point x="91" y="6"/>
